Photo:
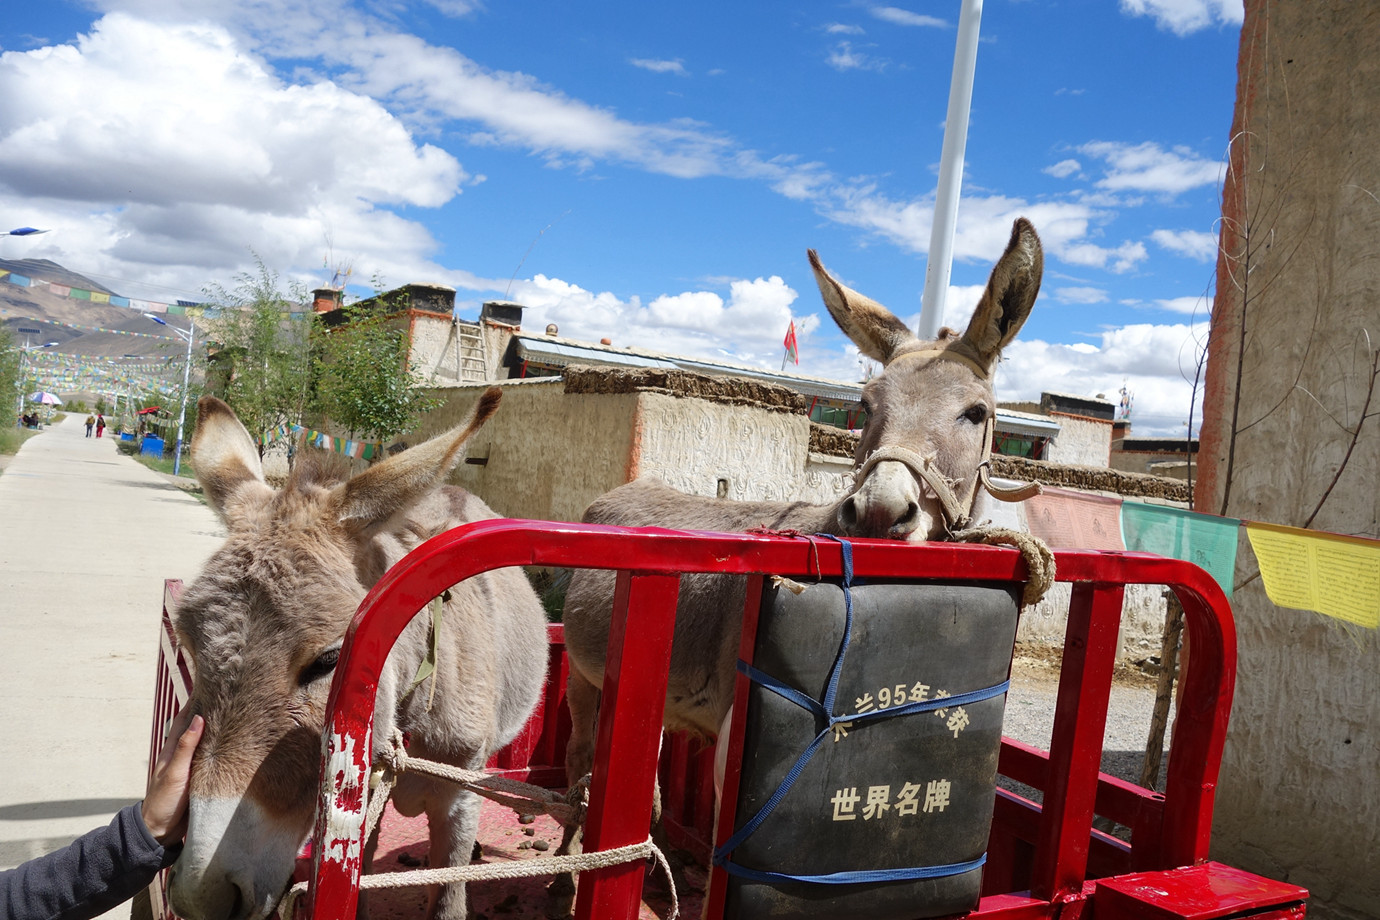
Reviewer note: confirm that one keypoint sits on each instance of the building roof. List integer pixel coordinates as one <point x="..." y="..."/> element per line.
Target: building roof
<point x="548" y="350"/>
<point x="1010" y="421"/>
<point x="561" y="352"/>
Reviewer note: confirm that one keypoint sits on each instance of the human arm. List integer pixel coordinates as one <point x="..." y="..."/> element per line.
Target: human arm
<point x="109" y="865"/>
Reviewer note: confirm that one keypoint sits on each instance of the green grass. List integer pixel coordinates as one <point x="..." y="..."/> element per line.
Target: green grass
<point x="11" y="438"/>
<point x="165" y="464"/>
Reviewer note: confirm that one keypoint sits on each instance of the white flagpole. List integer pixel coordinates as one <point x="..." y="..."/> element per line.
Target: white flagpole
<point x="940" y="263"/>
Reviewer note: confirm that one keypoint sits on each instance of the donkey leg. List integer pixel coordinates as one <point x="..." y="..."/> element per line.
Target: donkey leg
<point x="583" y="699"/>
<point x="366" y="868"/>
<point x="454" y="822"/>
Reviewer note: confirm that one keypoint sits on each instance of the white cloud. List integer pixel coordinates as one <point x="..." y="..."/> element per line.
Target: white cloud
<point x="1155" y="362"/>
<point x="1080" y="295"/>
<point x="1063" y="169"/>
<point x="1189" y="306"/>
<point x="1195" y="244"/>
<point x="897" y="16"/>
<point x="984" y="226"/>
<point x="747" y="326"/>
<point x="1147" y="167"/>
<point x="676" y="67"/>
<point x="844" y="57"/>
<point x="839" y="28"/>
<point x="1183" y="17"/>
<point x="82" y="123"/>
<point x="134" y="140"/>
<point x="454" y="8"/>
<point x="1119" y="259"/>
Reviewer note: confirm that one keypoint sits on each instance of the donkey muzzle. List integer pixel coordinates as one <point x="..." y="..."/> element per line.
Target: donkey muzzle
<point x="886" y="504"/>
<point x="234" y="865"/>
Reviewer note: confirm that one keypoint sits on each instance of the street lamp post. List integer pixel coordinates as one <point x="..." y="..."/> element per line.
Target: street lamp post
<point x="186" y="383"/>
<point x="23" y="352"/>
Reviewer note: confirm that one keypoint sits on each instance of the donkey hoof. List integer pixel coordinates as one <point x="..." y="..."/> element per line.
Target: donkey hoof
<point x="562" y="886"/>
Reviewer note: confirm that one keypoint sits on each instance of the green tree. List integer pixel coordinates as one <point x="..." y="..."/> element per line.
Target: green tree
<point x="365" y="382"/>
<point x="264" y="355"/>
<point x="9" y="375"/>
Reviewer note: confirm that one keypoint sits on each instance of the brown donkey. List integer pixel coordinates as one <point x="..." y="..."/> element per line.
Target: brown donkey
<point x="264" y="623"/>
<point x="920" y="473"/>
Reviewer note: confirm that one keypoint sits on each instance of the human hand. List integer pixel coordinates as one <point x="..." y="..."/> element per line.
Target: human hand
<point x="165" y="803"/>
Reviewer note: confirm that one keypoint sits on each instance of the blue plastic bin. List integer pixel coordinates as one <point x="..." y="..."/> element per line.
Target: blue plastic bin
<point x="152" y="447"/>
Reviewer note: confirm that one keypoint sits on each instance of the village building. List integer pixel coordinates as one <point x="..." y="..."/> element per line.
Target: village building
<point x="1175" y="458"/>
<point x="580" y="418"/>
<point x="448" y="351"/>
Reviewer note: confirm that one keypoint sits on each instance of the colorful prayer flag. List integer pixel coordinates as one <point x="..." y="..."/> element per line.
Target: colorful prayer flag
<point x="792" y="349"/>
<point x="1072" y="520"/>
<point x="1205" y="540"/>
<point x="1327" y="573"/>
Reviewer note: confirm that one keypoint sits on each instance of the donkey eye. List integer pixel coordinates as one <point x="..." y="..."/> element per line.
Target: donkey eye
<point x="321" y="667"/>
<point x="976" y="414"/>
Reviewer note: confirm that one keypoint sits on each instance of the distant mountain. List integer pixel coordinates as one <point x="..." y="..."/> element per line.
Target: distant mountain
<point x="50" y="271"/>
<point x="76" y="324"/>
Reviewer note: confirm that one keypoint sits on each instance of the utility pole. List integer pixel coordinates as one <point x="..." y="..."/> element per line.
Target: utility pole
<point x="186" y="382"/>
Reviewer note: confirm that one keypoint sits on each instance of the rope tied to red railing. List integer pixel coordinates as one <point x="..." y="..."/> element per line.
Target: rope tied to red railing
<point x="524" y="798"/>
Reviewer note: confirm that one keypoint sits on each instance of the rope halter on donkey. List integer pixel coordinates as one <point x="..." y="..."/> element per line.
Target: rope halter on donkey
<point x="958" y="512"/>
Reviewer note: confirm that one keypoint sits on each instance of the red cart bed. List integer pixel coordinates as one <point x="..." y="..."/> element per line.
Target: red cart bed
<point x="1044" y="860"/>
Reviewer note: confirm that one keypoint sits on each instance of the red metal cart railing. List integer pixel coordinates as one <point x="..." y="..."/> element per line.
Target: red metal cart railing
<point x="1044" y="858"/>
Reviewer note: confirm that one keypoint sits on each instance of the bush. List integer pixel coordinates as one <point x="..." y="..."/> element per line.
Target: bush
<point x="11" y="438"/>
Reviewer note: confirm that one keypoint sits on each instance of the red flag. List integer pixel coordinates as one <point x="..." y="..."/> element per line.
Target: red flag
<point x="792" y="350"/>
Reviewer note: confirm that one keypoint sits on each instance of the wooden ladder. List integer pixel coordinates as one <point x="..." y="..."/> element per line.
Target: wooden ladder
<point x="473" y="366"/>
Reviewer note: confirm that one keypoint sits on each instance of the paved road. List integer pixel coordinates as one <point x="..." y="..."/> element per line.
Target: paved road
<point x="86" y="538"/>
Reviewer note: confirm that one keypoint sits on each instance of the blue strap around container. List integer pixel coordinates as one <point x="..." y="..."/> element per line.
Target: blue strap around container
<point x="823" y="710"/>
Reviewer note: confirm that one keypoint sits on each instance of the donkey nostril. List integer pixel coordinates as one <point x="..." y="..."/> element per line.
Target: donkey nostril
<point x="848" y="514"/>
<point x="239" y="907"/>
<point x="908" y="521"/>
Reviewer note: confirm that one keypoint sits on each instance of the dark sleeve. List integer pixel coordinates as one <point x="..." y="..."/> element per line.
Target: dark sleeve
<point x="94" y="873"/>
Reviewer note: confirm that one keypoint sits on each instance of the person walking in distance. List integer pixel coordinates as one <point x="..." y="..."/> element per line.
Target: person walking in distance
<point x="90" y="423"/>
<point x="100" y="424"/>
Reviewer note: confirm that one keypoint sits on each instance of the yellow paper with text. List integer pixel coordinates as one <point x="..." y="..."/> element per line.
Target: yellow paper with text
<point x="1311" y="570"/>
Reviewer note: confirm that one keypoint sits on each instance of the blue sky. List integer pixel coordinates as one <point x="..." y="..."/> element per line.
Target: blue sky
<point x="652" y="173"/>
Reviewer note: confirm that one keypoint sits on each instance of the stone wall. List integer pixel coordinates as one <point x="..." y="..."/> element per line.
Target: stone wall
<point x="1290" y="372"/>
<point x="546" y="454"/>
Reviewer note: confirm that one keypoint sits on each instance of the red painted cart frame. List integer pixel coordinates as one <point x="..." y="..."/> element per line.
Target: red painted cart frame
<point x="1043" y="859"/>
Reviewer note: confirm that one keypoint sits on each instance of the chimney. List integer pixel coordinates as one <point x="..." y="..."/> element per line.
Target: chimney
<point x="324" y="300"/>
<point x="502" y="311"/>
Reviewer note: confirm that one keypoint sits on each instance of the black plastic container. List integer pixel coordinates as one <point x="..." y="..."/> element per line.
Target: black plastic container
<point x="905" y="792"/>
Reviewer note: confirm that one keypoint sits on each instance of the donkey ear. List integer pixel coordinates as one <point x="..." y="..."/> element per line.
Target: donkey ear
<point x="368" y="502"/>
<point x="223" y="454"/>
<point x="872" y="327"/>
<point x="1010" y="294"/>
